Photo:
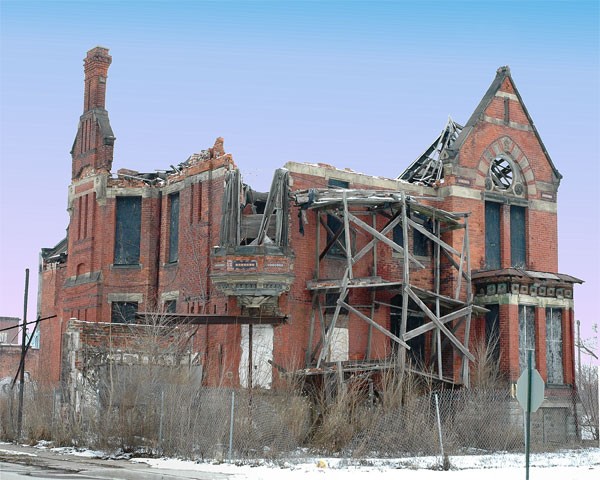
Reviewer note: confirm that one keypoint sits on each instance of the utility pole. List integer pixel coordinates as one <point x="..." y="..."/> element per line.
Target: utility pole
<point x="23" y="352"/>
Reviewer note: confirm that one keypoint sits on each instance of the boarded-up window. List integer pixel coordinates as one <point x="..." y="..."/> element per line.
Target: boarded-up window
<point x="526" y="334"/>
<point x="492" y="235"/>
<point x="123" y="312"/>
<point x="335" y="224"/>
<point x="127" y="230"/>
<point x="517" y="236"/>
<point x="554" y="341"/>
<point x="492" y="330"/>
<point x="173" y="227"/>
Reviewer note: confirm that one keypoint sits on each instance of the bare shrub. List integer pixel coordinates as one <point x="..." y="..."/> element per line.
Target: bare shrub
<point x="485" y="370"/>
<point x="588" y="395"/>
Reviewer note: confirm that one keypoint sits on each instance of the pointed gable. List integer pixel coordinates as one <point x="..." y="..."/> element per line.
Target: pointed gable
<point x="502" y="105"/>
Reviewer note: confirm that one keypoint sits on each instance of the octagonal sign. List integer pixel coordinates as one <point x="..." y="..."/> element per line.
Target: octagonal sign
<point x="537" y="390"/>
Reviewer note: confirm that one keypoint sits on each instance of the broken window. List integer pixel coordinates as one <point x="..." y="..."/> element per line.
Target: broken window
<point x="492" y="330"/>
<point x="526" y="334"/>
<point x="127" y="230"/>
<point x="554" y="361"/>
<point x="492" y="235"/>
<point x="517" y="236"/>
<point x="420" y="241"/>
<point x="123" y="312"/>
<point x="331" y="302"/>
<point x="398" y="235"/>
<point x="501" y="173"/>
<point x="173" y="227"/>
<point x="335" y="225"/>
<point x="170" y="306"/>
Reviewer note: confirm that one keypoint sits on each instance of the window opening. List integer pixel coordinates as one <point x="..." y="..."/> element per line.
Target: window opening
<point x="416" y="354"/>
<point x="492" y="330"/>
<point x="127" y="230"/>
<point x="420" y="241"/>
<point x="501" y="173"/>
<point x="492" y="235"/>
<point x="526" y="334"/>
<point x="123" y="312"/>
<point x="517" y="236"/>
<point x="554" y="361"/>
<point x="335" y="224"/>
<point x="174" y="227"/>
<point x="170" y="306"/>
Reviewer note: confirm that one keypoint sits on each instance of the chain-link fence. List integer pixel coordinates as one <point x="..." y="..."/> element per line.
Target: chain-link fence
<point x="178" y="419"/>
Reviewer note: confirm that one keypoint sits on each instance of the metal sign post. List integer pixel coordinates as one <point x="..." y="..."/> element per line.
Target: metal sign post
<point x="530" y="394"/>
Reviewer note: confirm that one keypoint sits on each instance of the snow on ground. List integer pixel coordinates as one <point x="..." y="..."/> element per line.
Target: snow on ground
<point x="577" y="464"/>
<point x="564" y="465"/>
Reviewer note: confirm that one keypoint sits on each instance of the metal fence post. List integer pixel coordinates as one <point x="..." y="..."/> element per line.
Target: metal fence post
<point x="160" y="424"/>
<point x="439" y="423"/>
<point x="231" y="425"/>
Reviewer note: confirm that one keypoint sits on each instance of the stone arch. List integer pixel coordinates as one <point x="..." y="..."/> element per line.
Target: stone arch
<point x="506" y="148"/>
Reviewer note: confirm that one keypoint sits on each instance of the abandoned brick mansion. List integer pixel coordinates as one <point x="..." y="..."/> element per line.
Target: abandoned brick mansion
<point x="330" y="270"/>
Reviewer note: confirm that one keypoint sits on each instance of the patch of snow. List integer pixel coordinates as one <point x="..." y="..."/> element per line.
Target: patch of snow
<point x="79" y="452"/>
<point x="13" y="452"/>
<point x="568" y="464"/>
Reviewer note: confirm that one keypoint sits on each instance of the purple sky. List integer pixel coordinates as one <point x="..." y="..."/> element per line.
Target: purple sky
<point x="364" y="85"/>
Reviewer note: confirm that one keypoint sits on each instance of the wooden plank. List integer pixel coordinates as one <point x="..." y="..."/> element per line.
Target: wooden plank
<point x="384" y="239"/>
<point x="334" y="239"/>
<point x="432" y="237"/>
<point x="454" y="263"/>
<point x="460" y="270"/>
<point x="442" y="327"/>
<point x="336" y="314"/>
<point x="430" y="326"/>
<point x="348" y="239"/>
<point x="383" y="330"/>
<point x="388" y="228"/>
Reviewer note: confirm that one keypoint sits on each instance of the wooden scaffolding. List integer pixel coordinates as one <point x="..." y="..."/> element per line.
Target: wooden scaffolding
<point x="361" y="211"/>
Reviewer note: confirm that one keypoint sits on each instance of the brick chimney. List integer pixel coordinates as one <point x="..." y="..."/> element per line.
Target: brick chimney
<point x="92" y="151"/>
<point x="95" y="66"/>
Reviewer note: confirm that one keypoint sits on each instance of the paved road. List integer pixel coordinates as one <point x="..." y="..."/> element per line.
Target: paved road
<point x="19" y="462"/>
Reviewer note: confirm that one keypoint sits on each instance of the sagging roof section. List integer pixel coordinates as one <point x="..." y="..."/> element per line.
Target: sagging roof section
<point x="427" y="169"/>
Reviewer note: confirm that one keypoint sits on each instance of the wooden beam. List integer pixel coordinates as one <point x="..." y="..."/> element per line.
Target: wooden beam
<point x="432" y="237"/>
<point x="336" y="314"/>
<point x="383" y="330"/>
<point x="388" y="228"/>
<point x="334" y="238"/>
<point x="430" y="326"/>
<point x="455" y="264"/>
<point x="347" y="237"/>
<point x="384" y="239"/>
<point x="441" y="326"/>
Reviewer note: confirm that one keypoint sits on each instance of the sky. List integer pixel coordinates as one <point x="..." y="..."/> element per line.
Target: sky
<point x="363" y="85"/>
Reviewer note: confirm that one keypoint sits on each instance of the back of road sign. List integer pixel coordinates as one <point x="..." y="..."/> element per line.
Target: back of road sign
<point x="537" y="390"/>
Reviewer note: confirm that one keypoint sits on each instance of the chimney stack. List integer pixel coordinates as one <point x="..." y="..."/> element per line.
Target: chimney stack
<point x="95" y="66"/>
<point x="92" y="150"/>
